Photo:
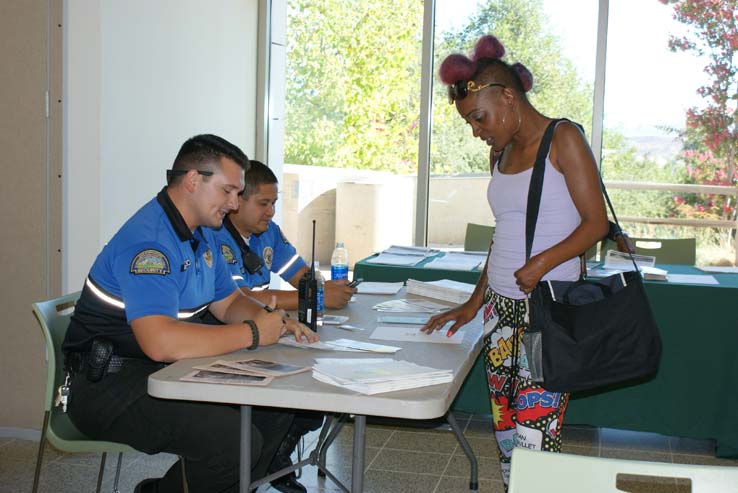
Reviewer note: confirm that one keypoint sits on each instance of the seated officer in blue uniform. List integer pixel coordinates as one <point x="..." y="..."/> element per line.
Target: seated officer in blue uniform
<point x="254" y="246"/>
<point x="140" y="308"/>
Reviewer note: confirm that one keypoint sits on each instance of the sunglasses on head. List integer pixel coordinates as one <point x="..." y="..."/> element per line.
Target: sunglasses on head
<point x="458" y="91"/>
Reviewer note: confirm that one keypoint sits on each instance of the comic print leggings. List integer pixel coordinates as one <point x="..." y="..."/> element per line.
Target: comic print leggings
<point x="534" y="417"/>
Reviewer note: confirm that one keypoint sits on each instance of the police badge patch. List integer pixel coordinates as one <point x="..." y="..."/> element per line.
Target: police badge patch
<point x="268" y="256"/>
<point x="150" y="262"/>
<point x="228" y="254"/>
<point x="208" y="258"/>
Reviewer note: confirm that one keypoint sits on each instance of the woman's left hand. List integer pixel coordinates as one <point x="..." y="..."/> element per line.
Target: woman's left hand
<point x="527" y="276"/>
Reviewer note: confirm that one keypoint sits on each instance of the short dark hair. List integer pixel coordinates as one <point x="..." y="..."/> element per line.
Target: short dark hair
<point x="203" y="152"/>
<point x="258" y="174"/>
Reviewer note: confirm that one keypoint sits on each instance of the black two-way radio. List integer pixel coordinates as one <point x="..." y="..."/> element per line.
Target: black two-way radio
<point x="307" y="294"/>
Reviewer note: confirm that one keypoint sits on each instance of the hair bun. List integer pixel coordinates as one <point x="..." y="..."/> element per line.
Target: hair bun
<point x="456" y="67"/>
<point x="526" y="78"/>
<point x="488" y="47"/>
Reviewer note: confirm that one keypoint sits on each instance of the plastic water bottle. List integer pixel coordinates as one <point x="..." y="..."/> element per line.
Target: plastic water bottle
<point x="320" y="281"/>
<point x="339" y="262"/>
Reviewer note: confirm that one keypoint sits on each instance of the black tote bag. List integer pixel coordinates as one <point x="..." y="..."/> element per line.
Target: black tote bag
<point x="586" y="334"/>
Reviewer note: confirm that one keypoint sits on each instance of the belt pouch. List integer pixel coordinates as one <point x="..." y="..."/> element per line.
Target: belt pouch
<point x="100" y="354"/>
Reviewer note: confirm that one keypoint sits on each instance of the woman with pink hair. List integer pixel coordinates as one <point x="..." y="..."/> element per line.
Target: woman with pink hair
<point x="490" y="95"/>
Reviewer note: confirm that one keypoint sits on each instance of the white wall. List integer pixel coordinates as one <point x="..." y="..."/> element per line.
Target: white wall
<point x="141" y="77"/>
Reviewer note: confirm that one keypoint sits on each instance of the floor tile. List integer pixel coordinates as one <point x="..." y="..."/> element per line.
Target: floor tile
<point x="629" y="454"/>
<point x="634" y="440"/>
<point x="399" y="482"/>
<point x="704" y="459"/>
<point x="410" y="461"/>
<point x="432" y="441"/>
<point x="456" y="485"/>
<point x="692" y="446"/>
<point x="375" y="436"/>
<point x="27" y="450"/>
<point x="591" y="450"/>
<point x="487" y="468"/>
<point x="580" y="435"/>
<point x="483" y="446"/>
<point x="479" y="427"/>
<point x="65" y="477"/>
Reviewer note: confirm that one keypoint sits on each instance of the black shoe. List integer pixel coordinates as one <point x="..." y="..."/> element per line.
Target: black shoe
<point x="150" y="485"/>
<point x="288" y="484"/>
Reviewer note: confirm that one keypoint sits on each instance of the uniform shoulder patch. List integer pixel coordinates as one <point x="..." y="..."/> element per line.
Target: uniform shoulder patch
<point x="150" y="261"/>
<point x="268" y="255"/>
<point x="228" y="254"/>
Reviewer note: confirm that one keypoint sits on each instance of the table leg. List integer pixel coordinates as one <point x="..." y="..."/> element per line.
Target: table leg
<point x="357" y="470"/>
<point x="473" y="482"/>
<point x="245" y="449"/>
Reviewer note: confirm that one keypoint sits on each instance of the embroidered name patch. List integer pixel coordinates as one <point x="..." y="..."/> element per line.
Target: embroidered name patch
<point x="150" y="262"/>
<point x="228" y="254"/>
<point x="268" y="255"/>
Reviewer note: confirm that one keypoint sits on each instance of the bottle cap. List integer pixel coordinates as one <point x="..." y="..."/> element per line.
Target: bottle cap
<point x="339" y="244"/>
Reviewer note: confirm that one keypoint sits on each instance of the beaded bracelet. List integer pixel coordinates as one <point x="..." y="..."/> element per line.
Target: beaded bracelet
<point x="254" y="334"/>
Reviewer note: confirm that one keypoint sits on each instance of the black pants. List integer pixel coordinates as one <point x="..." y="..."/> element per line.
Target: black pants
<point x="208" y="436"/>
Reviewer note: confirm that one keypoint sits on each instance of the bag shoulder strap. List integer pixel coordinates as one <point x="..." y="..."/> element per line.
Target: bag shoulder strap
<point x="536" y="186"/>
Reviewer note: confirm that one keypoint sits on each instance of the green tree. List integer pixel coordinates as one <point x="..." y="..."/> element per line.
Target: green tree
<point x="711" y="134"/>
<point x="353" y="83"/>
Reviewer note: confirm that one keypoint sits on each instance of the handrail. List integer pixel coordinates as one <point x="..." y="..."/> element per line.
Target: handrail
<point x="685" y="188"/>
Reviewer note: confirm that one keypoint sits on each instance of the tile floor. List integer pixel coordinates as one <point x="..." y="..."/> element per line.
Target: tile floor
<point x="399" y="459"/>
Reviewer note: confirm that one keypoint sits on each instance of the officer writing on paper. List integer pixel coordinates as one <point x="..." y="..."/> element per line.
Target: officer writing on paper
<point x="139" y="309"/>
<point x="254" y="246"/>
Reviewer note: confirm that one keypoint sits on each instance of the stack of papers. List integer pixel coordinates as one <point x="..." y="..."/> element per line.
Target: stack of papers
<point x="413" y="334"/>
<point x="347" y="345"/>
<point x="458" y="261"/>
<point x="620" y="261"/>
<point x="242" y="372"/>
<point x="445" y="289"/>
<point x="402" y="255"/>
<point x="377" y="375"/>
<point x="367" y="287"/>
<point x="410" y="306"/>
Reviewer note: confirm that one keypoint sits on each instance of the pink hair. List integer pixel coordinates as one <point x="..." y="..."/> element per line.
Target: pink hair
<point x="456" y="67"/>
<point x="488" y="47"/>
<point x="526" y="78"/>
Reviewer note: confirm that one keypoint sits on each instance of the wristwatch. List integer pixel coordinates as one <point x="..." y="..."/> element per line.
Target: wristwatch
<point x="254" y="334"/>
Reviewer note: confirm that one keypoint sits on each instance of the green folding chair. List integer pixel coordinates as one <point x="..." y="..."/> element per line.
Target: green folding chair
<point x="478" y="237"/>
<point x="678" y="251"/>
<point x="53" y="316"/>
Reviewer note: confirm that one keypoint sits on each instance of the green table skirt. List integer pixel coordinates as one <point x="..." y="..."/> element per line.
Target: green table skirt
<point x="693" y="394"/>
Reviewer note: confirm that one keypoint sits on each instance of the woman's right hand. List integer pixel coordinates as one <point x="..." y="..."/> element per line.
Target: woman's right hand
<point x="461" y="315"/>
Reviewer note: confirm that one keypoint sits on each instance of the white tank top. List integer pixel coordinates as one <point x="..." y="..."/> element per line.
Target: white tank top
<point x="507" y="195"/>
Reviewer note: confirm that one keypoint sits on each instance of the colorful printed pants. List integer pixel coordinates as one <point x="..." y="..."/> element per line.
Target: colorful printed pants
<point x="534" y="417"/>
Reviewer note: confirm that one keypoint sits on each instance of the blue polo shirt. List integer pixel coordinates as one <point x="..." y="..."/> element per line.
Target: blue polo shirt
<point x="276" y="252"/>
<point x="154" y="265"/>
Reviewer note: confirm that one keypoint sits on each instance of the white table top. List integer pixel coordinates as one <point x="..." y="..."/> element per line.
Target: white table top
<point x="302" y="391"/>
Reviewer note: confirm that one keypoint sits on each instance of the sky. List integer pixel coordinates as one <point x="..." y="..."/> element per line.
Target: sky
<point x="646" y="85"/>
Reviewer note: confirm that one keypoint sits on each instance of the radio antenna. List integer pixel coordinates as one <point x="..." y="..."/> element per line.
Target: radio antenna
<point x="312" y="262"/>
